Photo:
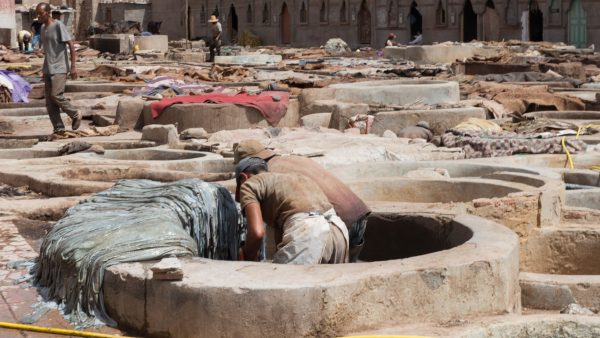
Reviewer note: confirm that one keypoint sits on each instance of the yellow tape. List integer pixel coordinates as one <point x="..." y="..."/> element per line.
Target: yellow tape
<point x="56" y="331"/>
<point x="569" y="158"/>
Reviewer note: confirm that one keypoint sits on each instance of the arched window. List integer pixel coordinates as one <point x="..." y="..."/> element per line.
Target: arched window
<point x="440" y="14"/>
<point x="249" y="14"/>
<point x="303" y="13"/>
<point x="265" y="14"/>
<point x="323" y="15"/>
<point x="343" y="13"/>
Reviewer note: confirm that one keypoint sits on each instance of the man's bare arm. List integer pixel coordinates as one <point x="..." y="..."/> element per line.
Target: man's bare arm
<point x="73" y="59"/>
<point x="256" y="232"/>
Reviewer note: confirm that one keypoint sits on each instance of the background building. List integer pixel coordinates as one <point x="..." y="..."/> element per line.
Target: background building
<point x="367" y="22"/>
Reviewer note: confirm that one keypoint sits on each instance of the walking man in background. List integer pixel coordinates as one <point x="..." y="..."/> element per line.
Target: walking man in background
<point x="215" y="43"/>
<point x="55" y="40"/>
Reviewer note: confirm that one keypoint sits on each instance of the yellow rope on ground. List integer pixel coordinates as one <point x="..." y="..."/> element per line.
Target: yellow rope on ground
<point x="56" y="331"/>
<point x="569" y="158"/>
<point x="586" y="127"/>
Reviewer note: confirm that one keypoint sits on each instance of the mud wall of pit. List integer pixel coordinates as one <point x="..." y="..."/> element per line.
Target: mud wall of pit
<point x="560" y="267"/>
<point x="398" y="92"/>
<point x="267" y="300"/>
<point x="216" y="117"/>
<point x="583" y="198"/>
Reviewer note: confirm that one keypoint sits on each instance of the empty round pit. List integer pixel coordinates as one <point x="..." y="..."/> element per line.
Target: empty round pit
<point x="398" y="92"/>
<point x="395" y="236"/>
<point x="583" y="189"/>
<point x="152" y="155"/>
<point x="430" y="191"/>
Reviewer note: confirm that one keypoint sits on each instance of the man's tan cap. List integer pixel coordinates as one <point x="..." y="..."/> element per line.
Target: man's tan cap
<point x="213" y="19"/>
<point x="251" y="148"/>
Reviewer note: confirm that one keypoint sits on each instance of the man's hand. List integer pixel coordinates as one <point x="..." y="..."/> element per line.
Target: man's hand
<point x="73" y="73"/>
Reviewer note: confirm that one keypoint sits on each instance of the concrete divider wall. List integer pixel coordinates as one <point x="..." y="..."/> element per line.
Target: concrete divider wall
<point x="398" y="92"/>
<point x="439" y="120"/>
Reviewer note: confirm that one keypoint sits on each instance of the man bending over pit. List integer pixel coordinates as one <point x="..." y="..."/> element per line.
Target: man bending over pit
<point x="307" y="230"/>
<point x="348" y="206"/>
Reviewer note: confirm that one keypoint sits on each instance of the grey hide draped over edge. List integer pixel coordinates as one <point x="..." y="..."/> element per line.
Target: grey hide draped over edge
<point x="135" y="220"/>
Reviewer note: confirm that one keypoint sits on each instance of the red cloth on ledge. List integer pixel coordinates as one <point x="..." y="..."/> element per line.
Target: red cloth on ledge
<point x="271" y="110"/>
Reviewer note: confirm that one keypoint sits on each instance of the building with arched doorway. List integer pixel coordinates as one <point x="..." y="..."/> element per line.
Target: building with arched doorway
<point x="303" y="23"/>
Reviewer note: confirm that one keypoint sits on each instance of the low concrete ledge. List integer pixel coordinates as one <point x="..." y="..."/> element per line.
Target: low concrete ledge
<point x="398" y="92"/>
<point x="530" y="326"/>
<point x="217" y="117"/>
<point x="267" y="300"/>
<point x="439" y="120"/>
<point x="248" y="59"/>
<point x="438" y="53"/>
<point x="535" y="326"/>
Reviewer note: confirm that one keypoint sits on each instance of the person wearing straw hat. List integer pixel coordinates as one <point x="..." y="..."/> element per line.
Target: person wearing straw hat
<point x="215" y="43"/>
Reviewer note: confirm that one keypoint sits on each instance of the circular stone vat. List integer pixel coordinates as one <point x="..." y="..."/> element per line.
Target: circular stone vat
<point x="152" y="155"/>
<point x="561" y="267"/>
<point x="536" y="326"/>
<point x="327" y="300"/>
<point x="456" y="169"/>
<point x="580" y="161"/>
<point x="430" y="191"/>
<point x="398" y="92"/>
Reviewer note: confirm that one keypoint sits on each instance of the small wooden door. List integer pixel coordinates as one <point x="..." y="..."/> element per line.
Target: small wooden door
<point x="285" y="25"/>
<point x="577" y="25"/>
<point x="364" y="24"/>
